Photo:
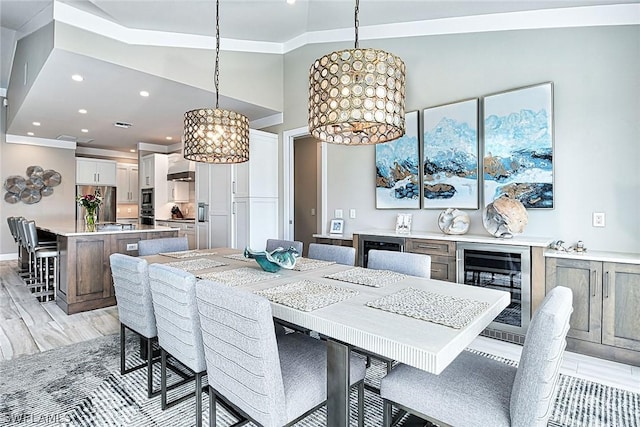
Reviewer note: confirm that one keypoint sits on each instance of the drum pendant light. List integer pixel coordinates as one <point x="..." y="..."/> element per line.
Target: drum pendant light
<point x="214" y="135"/>
<point x="356" y="96"/>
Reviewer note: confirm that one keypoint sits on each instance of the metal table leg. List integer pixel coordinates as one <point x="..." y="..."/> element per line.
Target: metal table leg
<point x="337" y="384"/>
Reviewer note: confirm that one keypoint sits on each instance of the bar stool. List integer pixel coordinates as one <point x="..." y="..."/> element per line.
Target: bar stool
<point x="45" y="264"/>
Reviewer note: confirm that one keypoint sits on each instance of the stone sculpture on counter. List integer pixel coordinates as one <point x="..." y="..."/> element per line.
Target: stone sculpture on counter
<point x="454" y="221"/>
<point x="504" y="217"/>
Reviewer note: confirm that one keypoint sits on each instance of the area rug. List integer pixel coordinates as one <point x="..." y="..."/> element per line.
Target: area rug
<point x="80" y="385"/>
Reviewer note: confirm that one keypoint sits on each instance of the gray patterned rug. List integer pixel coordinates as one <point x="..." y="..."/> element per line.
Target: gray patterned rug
<point x="80" y="385"/>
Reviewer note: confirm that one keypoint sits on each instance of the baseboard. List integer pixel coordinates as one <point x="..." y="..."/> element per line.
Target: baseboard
<point x="8" y="257"/>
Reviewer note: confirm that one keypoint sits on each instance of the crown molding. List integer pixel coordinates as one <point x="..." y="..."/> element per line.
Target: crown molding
<point x="101" y="152"/>
<point x="587" y="16"/>
<point x="42" y="142"/>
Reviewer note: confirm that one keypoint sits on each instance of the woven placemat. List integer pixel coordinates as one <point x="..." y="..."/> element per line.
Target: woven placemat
<point x="238" y="276"/>
<point x="188" y="254"/>
<point x="305" y="264"/>
<point x="367" y="276"/>
<point x="239" y="257"/>
<point x="306" y="295"/>
<point x="445" y="310"/>
<point x="196" y="264"/>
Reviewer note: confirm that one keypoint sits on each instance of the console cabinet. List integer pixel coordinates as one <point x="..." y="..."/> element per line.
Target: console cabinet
<point x="442" y="253"/>
<point x="606" y="306"/>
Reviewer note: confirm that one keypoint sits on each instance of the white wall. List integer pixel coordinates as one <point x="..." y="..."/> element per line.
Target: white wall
<point x="597" y="128"/>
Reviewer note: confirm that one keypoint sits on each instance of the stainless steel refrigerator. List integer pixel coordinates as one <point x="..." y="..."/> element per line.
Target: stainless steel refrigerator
<point x="107" y="210"/>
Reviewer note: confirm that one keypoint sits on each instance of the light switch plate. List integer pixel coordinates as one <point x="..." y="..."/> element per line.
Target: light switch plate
<point x="352" y="213"/>
<point x="338" y="213"/>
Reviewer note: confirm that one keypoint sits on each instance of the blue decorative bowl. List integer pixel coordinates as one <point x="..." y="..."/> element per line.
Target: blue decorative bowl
<point x="275" y="260"/>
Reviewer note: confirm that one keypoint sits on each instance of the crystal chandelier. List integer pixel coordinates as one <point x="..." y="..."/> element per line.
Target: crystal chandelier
<point x="356" y="96"/>
<point x="214" y="135"/>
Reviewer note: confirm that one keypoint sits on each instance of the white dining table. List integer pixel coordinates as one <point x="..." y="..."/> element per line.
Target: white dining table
<point x="351" y="324"/>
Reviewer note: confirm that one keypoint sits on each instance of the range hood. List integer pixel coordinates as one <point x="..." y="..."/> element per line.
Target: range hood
<point x="181" y="170"/>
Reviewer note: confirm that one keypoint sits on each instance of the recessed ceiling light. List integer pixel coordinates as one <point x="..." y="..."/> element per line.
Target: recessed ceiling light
<point x="77" y="77"/>
<point x="169" y="138"/>
<point x="85" y="130"/>
<point x="30" y="133"/>
<point x="132" y="150"/>
<point x="144" y="93"/>
<point x="36" y="123"/>
<point x="291" y="1"/>
<point x="82" y="111"/>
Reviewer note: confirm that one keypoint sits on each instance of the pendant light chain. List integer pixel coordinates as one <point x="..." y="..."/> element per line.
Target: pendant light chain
<point x="356" y="20"/>
<point x="217" y="70"/>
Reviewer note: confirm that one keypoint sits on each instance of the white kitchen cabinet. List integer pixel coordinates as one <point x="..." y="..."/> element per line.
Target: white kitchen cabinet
<point x="95" y="172"/>
<point x="259" y="176"/>
<point x="147" y="171"/>
<point x="127" y="181"/>
<point x="178" y="192"/>
<point x="256" y="220"/>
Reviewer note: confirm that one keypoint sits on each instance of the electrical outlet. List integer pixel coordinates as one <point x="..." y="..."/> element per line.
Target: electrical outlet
<point x="313" y="211"/>
<point x="352" y="213"/>
<point x="598" y="219"/>
<point x="338" y="213"/>
<point x="132" y="246"/>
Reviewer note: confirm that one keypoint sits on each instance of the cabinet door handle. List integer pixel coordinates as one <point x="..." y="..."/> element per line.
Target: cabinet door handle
<point x="98" y="177"/>
<point x="428" y="247"/>
<point x="234" y="187"/>
<point x="606" y="284"/>
<point x="593" y="281"/>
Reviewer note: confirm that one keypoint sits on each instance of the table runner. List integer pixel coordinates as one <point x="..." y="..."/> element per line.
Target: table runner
<point x="367" y="276"/>
<point x="306" y="295"/>
<point x="305" y="264"/>
<point x="445" y="310"/>
<point x="196" y="264"/>
<point x="238" y="276"/>
<point x="188" y="254"/>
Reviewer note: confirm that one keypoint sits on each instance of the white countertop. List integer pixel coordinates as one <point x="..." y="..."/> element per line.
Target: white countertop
<point x="475" y="238"/>
<point x="77" y="228"/>
<point x="181" y="220"/>
<point x="626" y="258"/>
<point x="334" y="236"/>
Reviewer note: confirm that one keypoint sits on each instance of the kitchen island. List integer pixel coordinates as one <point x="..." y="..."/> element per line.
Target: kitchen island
<point x="84" y="273"/>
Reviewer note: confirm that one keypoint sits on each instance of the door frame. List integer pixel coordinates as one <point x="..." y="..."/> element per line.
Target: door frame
<point x="288" y="217"/>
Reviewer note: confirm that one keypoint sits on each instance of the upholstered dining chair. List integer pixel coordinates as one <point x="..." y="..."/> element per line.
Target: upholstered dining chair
<point x="477" y="391"/>
<point x="401" y="262"/>
<point x="273" y="244"/>
<point x="174" y="303"/>
<point x="166" y="244"/>
<point x="339" y="254"/>
<point x="135" y="310"/>
<point x="272" y="380"/>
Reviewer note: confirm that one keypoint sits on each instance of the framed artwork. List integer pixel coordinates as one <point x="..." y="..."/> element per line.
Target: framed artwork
<point x="397" y="169"/>
<point x="403" y="223"/>
<point x="337" y="226"/>
<point x="518" y="145"/>
<point x="450" y="156"/>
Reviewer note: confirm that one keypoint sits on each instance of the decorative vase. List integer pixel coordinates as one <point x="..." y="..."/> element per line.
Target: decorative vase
<point x="275" y="260"/>
<point x="90" y="220"/>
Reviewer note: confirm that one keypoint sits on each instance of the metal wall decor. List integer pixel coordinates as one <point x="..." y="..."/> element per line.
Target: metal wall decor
<point x="30" y="190"/>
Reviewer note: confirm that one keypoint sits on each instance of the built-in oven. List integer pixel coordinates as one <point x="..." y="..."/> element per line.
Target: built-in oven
<point x="506" y="268"/>
<point x="385" y="243"/>
<point x="147" y="215"/>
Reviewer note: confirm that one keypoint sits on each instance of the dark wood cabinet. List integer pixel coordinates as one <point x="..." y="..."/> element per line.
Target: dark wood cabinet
<point x="442" y="253"/>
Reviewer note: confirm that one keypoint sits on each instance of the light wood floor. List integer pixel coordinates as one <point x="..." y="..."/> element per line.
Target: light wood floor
<point x="28" y="326"/>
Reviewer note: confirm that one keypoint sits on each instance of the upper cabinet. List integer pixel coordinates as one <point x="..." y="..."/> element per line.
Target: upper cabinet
<point x="178" y="192"/>
<point x="127" y="183"/>
<point x="147" y="171"/>
<point x="95" y="172"/>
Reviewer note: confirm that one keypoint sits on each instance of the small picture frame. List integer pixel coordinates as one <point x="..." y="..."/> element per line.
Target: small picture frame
<point x="403" y="223"/>
<point x="337" y="226"/>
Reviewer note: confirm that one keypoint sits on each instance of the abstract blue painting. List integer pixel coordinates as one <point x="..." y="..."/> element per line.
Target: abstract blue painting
<point x="450" y="156"/>
<point x="397" y="169"/>
<point x="518" y="146"/>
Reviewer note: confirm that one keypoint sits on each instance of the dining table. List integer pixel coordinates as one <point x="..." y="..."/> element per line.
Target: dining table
<point x="421" y="322"/>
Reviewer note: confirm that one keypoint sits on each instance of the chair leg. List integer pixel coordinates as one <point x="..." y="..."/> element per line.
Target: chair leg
<point x="212" y="408"/>
<point x="361" y="404"/>
<point x="150" y="392"/>
<point x="386" y="413"/>
<point x="163" y="378"/>
<point x="199" y="399"/>
<point x="122" y="358"/>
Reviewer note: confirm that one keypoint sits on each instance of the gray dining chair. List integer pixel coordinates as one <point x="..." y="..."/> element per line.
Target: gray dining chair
<point x="478" y="391"/>
<point x="166" y="244"/>
<point x="418" y="265"/>
<point x="272" y="380"/>
<point x="273" y="244"/>
<point x="174" y="304"/>
<point x="135" y="310"/>
<point x="339" y="254"/>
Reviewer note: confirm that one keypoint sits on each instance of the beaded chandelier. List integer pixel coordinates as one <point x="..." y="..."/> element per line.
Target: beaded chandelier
<point x="356" y="96"/>
<point x="214" y="135"/>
